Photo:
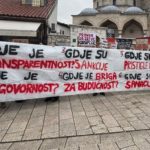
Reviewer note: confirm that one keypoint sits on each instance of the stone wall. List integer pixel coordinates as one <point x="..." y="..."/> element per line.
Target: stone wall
<point x="145" y="4"/>
<point x="132" y="31"/>
<point x="58" y="40"/>
<point x="119" y="19"/>
<point x="118" y="2"/>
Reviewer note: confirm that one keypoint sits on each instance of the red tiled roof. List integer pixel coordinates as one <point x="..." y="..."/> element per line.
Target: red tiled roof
<point x="16" y="9"/>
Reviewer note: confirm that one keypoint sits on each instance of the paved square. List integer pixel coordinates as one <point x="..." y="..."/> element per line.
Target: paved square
<point x="115" y="121"/>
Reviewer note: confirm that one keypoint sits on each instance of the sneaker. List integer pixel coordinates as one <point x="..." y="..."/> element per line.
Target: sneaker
<point x="19" y="101"/>
<point x="94" y="94"/>
<point x="102" y="93"/>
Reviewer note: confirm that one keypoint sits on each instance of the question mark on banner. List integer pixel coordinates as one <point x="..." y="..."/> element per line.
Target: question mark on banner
<point x="64" y="50"/>
<point x="120" y="75"/>
<point x="61" y="75"/>
<point x="73" y="63"/>
<point x="117" y="84"/>
<point x="55" y="88"/>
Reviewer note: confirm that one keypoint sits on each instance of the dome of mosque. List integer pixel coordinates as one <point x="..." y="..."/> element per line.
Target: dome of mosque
<point x="134" y="10"/>
<point x="88" y="11"/>
<point x="110" y="9"/>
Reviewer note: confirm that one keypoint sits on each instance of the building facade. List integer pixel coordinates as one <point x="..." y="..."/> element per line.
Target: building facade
<point x="62" y="35"/>
<point x="63" y="29"/>
<point x="27" y="21"/>
<point x="123" y="18"/>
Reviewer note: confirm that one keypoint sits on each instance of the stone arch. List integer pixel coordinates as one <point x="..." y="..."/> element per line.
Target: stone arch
<point x="141" y="22"/>
<point x="132" y="29"/>
<point x="112" y="28"/>
<point x="87" y="23"/>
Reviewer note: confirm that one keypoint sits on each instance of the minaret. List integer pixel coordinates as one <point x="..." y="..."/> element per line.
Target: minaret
<point x="145" y="5"/>
<point x="97" y="3"/>
<point x="137" y="3"/>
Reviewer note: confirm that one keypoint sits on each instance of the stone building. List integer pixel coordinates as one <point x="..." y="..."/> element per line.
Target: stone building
<point x="62" y="35"/>
<point x="123" y="18"/>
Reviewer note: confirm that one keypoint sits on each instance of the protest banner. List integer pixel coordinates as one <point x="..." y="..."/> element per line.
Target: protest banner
<point x="124" y="43"/>
<point x="143" y="43"/>
<point x="87" y="40"/>
<point x="36" y="71"/>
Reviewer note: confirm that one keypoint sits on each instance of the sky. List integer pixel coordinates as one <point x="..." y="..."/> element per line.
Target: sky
<point x="66" y="8"/>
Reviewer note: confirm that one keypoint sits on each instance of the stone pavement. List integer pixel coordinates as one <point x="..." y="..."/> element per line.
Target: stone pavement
<point x="134" y="140"/>
<point x="117" y="121"/>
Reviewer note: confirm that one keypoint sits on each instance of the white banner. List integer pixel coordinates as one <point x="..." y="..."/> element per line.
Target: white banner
<point x="38" y="71"/>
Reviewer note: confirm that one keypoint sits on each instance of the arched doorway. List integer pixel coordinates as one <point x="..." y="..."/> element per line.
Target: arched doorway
<point x="132" y="29"/>
<point x="112" y="28"/>
<point x="86" y="23"/>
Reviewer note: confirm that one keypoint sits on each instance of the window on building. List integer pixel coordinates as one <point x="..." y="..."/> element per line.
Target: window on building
<point x="97" y="4"/>
<point x="72" y="29"/>
<point x="49" y="30"/>
<point x="114" y="2"/>
<point x="134" y="2"/>
<point x="62" y="32"/>
<point x="28" y="2"/>
<point x="36" y="3"/>
<point x="43" y="2"/>
<point x="74" y="40"/>
<point x="53" y="26"/>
